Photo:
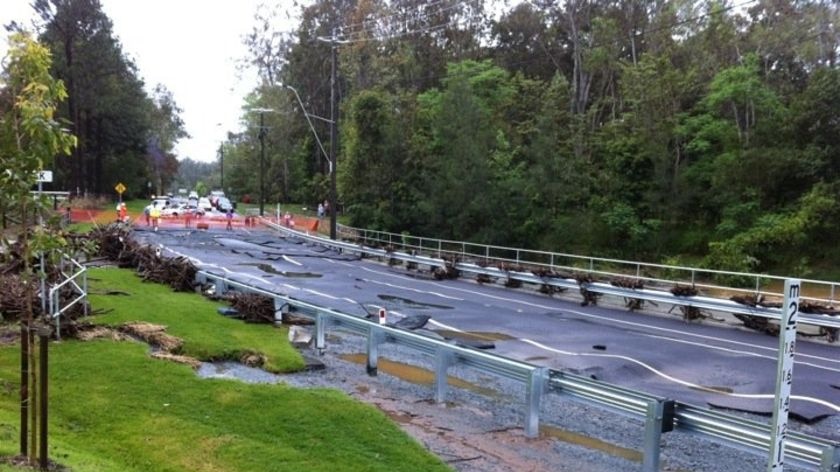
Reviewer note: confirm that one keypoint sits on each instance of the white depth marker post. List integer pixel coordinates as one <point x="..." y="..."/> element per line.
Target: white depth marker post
<point x="784" y="375"/>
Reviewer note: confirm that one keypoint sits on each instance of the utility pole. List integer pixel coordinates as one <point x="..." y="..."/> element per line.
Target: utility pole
<point x="222" y="166"/>
<point x="333" y="139"/>
<point x="262" y="162"/>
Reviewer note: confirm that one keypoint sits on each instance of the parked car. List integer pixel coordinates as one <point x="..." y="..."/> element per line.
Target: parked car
<point x="193" y="195"/>
<point x="204" y="204"/>
<point x="223" y="204"/>
<point x="180" y="210"/>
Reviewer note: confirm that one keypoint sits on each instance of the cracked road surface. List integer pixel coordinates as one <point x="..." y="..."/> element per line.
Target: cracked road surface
<point x="703" y="364"/>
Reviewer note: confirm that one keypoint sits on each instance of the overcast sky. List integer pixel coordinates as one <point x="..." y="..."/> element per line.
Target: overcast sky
<point x="191" y="47"/>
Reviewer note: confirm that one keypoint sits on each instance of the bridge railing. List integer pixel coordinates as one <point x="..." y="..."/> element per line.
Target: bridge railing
<point x="519" y="273"/>
<point x="711" y="280"/>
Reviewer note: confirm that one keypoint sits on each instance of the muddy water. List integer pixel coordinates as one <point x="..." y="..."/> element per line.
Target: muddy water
<point x="417" y="375"/>
<point x="591" y="443"/>
<point x="235" y="370"/>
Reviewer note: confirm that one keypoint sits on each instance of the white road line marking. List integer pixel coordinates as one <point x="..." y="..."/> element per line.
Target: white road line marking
<point x="289" y="259"/>
<point x="737" y="351"/>
<point x="321" y="294"/>
<point x="329" y="260"/>
<point x="445" y="326"/>
<point x="680" y="381"/>
<point x="631" y="323"/>
<point x="655" y="371"/>
<point x="350" y="300"/>
<point x="379" y="282"/>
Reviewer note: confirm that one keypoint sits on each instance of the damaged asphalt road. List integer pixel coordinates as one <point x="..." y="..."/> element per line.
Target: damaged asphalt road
<point x="702" y="364"/>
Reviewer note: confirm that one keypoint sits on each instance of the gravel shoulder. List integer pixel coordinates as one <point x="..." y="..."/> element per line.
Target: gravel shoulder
<point x="480" y="427"/>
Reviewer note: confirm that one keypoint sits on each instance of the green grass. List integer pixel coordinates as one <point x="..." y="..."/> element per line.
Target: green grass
<point x="206" y="334"/>
<point x="113" y="408"/>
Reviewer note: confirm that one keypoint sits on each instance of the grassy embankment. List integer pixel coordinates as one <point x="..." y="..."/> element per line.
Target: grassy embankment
<point x="114" y="408"/>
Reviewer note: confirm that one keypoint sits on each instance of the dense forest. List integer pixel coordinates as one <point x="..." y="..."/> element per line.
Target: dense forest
<point x="123" y="132"/>
<point x="682" y="131"/>
<point x="704" y="132"/>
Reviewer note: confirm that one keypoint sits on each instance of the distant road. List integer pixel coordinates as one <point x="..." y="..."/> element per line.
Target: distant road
<point x="700" y="364"/>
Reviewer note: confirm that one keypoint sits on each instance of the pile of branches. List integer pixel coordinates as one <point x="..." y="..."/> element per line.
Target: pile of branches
<point x="15" y="298"/>
<point x="690" y="313"/>
<point x="758" y="323"/>
<point x="448" y="271"/>
<point x="632" y="304"/>
<point x="252" y="307"/>
<point x="831" y="334"/>
<point x="589" y="298"/>
<point x="117" y="244"/>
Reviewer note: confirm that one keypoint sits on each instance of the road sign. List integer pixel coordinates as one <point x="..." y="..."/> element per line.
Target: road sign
<point x="45" y="176"/>
<point x="120" y="188"/>
<point x="784" y="375"/>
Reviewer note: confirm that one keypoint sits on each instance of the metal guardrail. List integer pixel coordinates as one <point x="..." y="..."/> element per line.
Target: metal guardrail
<point x="660" y="415"/>
<point x="648" y="272"/>
<point x="656" y="296"/>
<point x="81" y="292"/>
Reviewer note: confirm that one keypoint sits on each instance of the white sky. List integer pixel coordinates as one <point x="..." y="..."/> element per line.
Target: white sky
<point x="191" y="47"/>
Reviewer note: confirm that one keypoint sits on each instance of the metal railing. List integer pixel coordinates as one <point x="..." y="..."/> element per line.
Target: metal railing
<point x="660" y="415"/>
<point x="78" y="271"/>
<point x="748" y="283"/>
<point x="651" y="295"/>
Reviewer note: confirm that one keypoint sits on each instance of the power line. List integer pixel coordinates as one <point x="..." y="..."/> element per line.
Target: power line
<point x="375" y="20"/>
<point x="348" y="37"/>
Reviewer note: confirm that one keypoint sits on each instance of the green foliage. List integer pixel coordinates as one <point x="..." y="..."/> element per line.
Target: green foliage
<point x="577" y="126"/>
<point x="162" y="417"/>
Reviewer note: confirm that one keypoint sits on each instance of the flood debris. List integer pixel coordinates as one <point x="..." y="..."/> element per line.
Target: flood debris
<point x="589" y="297"/>
<point x="153" y="334"/>
<point x="413" y="322"/>
<point x="448" y="271"/>
<point x="117" y="244"/>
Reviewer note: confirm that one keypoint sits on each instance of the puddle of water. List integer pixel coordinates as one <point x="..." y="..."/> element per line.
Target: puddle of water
<point x="411" y="303"/>
<point x="474" y="335"/>
<point x="713" y="387"/>
<point x="417" y="375"/>
<point x="237" y="371"/>
<point x="591" y="443"/>
<point x="269" y="269"/>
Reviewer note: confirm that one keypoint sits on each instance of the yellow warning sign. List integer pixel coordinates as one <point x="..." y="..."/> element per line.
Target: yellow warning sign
<point x="120" y="188"/>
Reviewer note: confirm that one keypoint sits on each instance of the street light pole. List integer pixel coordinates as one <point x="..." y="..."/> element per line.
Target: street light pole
<point x="222" y="166"/>
<point x="333" y="140"/>
<point x="262" y="162"/>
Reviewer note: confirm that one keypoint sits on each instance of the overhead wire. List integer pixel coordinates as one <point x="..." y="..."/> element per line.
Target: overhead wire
<point x="384" y="17"/>
<point x="349" y="38"/>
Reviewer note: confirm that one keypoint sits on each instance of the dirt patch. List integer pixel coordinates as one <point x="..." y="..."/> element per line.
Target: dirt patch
<point x="190" y="361"/>
<point x="153" y="334"/>
<point x="9" y="334"/>
<point x="100" y="332"/>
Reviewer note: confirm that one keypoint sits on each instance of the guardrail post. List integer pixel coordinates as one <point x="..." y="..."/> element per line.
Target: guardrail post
<point x="85" y="288"/>
<point x="830" y="459"/>
<point x="374" y="337"/>
<point x="220" y="287"/>
<point x="534" y="392"/>
<point x="659" y="419"/>
<point x="320" y="331"/>
<point x="443" y="359"/>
